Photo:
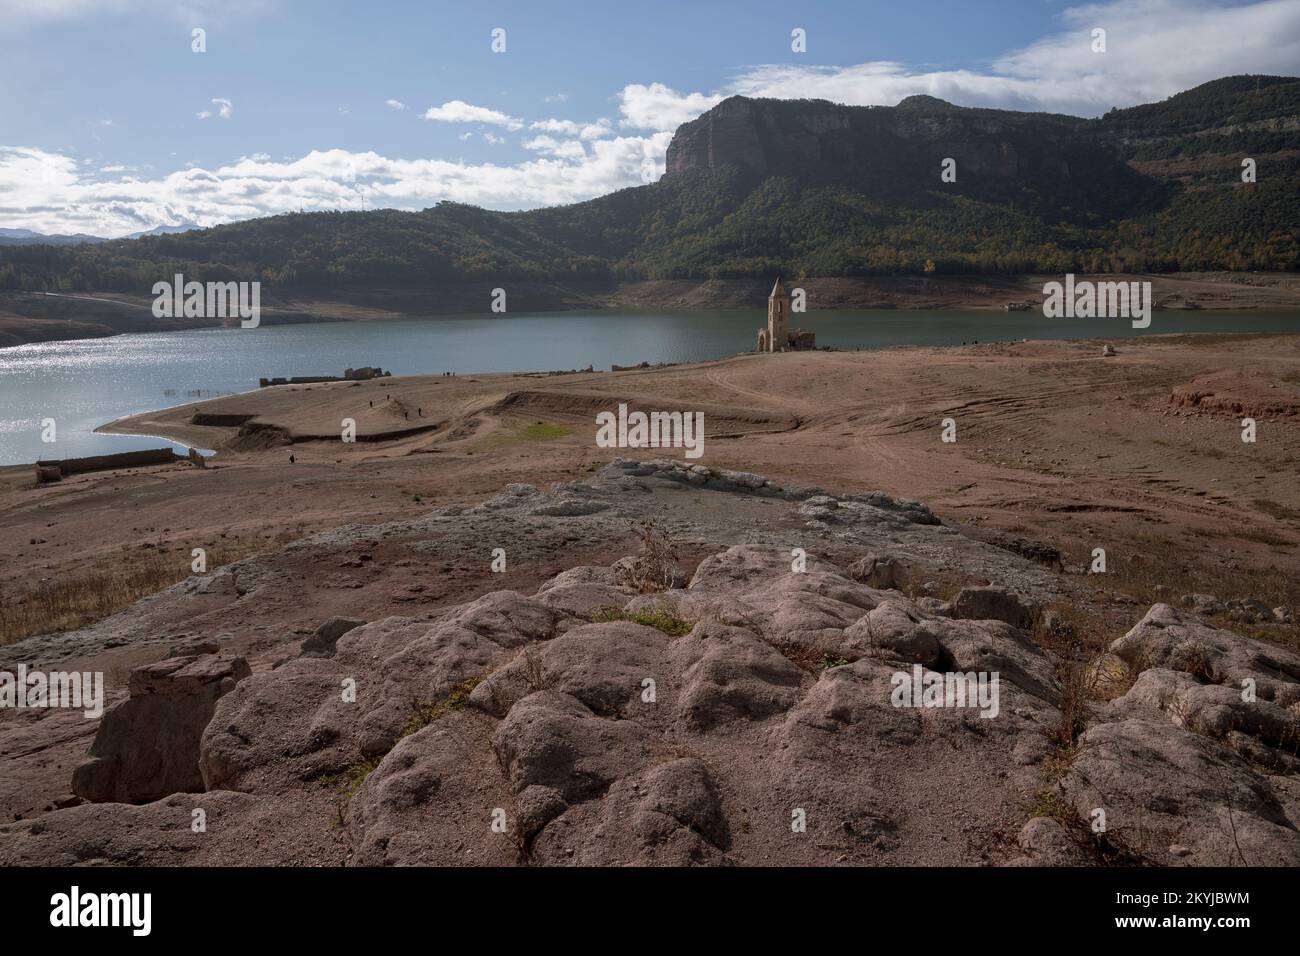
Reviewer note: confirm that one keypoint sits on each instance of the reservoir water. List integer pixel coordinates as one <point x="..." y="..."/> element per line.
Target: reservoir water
<point x="85" y="383"/>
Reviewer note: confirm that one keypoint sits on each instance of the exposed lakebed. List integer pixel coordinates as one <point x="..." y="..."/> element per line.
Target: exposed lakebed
<point x="82" y="384"/>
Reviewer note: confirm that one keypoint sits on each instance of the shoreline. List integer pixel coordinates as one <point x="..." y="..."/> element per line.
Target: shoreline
<point x="192" y="436"/>
<point x="31" y="317"/>
<point x="298" y="420"/>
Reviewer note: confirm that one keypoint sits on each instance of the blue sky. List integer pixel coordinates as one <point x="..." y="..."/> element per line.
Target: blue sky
<point x="111" y="124"/>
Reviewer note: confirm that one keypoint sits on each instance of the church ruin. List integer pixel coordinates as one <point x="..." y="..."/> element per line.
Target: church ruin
<point x="778" y="337"/>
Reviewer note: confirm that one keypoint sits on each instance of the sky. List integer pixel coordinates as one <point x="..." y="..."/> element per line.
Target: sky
<point x="111" y="122"/>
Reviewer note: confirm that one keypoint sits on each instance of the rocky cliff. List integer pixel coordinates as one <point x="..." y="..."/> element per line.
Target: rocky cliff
<point x="897" y="151"/>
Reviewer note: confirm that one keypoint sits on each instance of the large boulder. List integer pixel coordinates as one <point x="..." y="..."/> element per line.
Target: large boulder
<point x="1046" y="842"/>
<point x="322" y="642"/>
<point x="432" y="799"/>
<point x="148" y="745"/>
<point x="669" y="815"/>
<point x="884" y="571"/>
<point x="895" y="631"/>
<point x="238" y="829"/>
<point x="554" y="741"/>
<point x="993" y="604"/>
<point x="729" y="674"/>
<point x="1174" y="797"/>
<point x="1173" y="639"/>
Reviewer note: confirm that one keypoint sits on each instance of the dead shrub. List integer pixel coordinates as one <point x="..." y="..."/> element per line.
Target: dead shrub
<point x="655" y="568"/>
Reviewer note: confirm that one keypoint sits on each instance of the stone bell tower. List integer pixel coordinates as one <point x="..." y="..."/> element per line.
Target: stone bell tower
<point x="776" y="337"/>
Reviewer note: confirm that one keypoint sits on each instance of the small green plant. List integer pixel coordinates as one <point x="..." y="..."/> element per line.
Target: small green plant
<point x="349" y="781"/>
<point x="1047" y="803"/>
<point x="425" y="714"/>
<point x="661" y="619"/>
<point x="828" y="662"/>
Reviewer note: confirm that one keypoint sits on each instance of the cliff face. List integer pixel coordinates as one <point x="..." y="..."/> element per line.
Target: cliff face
<point x="815" y="136"/>
<point x="897" y="150"/>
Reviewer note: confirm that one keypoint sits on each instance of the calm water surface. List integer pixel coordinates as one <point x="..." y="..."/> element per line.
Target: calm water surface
<point x="85" y="383"/>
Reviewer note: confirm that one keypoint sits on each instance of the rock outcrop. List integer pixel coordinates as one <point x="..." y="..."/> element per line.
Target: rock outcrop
<point x="768" y="710"/>
<point x="148" y="745"/>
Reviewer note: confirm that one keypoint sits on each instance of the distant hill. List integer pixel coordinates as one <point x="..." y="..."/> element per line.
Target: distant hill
<point x="160" y="231"/>
<point x="810" y="188"/>
<point x="25" y="237"/>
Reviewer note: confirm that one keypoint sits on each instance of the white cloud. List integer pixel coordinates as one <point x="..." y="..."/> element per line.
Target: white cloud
<point x="594" y="130"/>
<point x="47" y="192"/>
<point x="395" y="104"/>
<point x="564" y="149"/>
<point x="458" y="111"/>
<point x="660" y="107"/>
<point x="1154" y="48"/>
<point x="556" y="98"/>
<point x="225" y="109"/>
<point x="493" y="139"/>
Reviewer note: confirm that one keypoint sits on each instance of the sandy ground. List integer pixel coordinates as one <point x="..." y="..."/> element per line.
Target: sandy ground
<point x="1050" y="436"/>
<point x="1054" y="442"/>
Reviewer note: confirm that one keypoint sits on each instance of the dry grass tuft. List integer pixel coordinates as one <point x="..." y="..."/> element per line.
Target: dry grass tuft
<point x="69" y="601"/>
<point x="655" y="568"/>
<point x="1078" y="641"/>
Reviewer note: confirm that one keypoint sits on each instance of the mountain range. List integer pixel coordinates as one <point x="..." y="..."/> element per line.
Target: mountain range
<point x="755" y="187"/>
<point x="25" y="237"/>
